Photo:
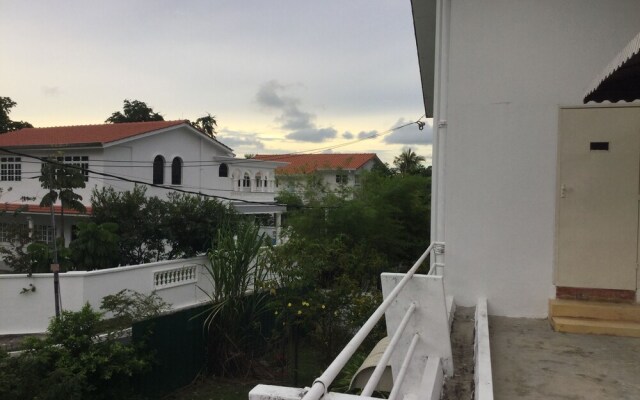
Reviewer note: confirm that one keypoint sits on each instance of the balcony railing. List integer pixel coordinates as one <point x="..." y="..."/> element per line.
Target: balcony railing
<point x="419" y="357"/>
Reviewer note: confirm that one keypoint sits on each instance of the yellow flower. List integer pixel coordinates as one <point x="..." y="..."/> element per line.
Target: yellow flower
<point x="289" y="305"/>
<point x="299" y="312"/>
<point x="323" y="307"/>
<point x="276" y="312"/>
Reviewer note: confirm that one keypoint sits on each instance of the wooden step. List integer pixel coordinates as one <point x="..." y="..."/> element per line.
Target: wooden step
<point x="595" y="326"/>
<point x="594" y="310"/>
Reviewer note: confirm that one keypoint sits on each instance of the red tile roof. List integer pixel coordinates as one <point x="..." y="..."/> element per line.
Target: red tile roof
<point x="307" y="163"/>
<point x="80" y="134"/>
<point x="36" y="209"/>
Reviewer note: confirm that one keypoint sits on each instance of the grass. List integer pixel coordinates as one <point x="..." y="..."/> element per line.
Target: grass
<point x="214" y="388"/>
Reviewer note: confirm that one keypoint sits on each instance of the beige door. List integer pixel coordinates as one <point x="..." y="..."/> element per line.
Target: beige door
<point x="597" y="197"/>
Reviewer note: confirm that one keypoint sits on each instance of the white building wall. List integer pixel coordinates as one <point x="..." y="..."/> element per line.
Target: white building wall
<point x="512" y="64"/>
<point x="30" y="186"/>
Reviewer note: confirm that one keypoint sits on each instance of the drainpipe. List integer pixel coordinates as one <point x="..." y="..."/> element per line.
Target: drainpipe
<point x="443" y="13"/>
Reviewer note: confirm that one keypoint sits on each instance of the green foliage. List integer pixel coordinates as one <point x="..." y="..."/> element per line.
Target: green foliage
<point x="206" y="124"/>
<point x="237" y="265"/>
<point x="24" y="255"/>
<point x="140" y="239"/>
<point x="60" y="180"/>
<point x="134" y="111"/>
<point x="192" y="221"/>
<point x="128" y="306"/>
<point x="151" y="229"/>
<point x="408" y="162"/>
<point x="96" y="246"/>
<point x="6" y="124"/>
<point x="71" y="362"/>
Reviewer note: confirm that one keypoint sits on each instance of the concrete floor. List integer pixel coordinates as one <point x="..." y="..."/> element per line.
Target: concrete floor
<point x="530" y="361"/>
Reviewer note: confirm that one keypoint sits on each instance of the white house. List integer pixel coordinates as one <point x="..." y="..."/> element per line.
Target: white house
<point x="505" y="82"/>
<point x="336" y="171"/>
<point x="170" y="155"/>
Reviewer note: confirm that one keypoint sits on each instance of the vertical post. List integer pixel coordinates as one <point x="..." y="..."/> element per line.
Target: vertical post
<point x="55" y="267"/>
<point x="278" y="226"/>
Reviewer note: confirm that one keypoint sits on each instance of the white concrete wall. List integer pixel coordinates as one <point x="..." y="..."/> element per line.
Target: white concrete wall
<point x="512" y="64"/>
<point x="30" y="312"/>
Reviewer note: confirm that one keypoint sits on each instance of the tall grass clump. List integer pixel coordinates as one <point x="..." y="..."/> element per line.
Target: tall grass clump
<point x="238" y="270"/>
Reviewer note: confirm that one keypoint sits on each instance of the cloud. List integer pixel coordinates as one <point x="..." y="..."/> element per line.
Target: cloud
<point x="367" y="135"/>
<point x="297" y="122"/>
<point x="244" y="140"/>
<point x="315" y="135"/>
<point x="410" y="134"/>
<point x="50" y="91"/>
<point x="347" y="135"/>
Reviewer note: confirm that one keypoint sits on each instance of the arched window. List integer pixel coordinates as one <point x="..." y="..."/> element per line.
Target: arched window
<point x="158" y="170"/>
<point x="246" y="181"/>
<point x="223" y="171"/>
<point x="258" y="180"/>
<point x="176" y="171"/>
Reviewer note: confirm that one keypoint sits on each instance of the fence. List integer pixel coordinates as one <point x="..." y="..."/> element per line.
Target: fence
<point x="27" y="302"/>
<point x="179" y="350"/>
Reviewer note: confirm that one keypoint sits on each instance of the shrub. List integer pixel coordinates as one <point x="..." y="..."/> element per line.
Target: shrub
<point x="72" y="362"/>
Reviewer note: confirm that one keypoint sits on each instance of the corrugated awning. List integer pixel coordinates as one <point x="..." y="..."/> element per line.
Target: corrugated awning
<point x="620" y="80"/>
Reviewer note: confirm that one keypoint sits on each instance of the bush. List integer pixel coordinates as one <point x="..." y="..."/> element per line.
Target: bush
<point x="72" y="362"/>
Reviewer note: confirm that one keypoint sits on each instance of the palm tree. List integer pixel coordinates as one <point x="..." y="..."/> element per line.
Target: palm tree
<point x="61" y="180"/>
<point x="408" y="162"/>
<point x="207" y="124"/>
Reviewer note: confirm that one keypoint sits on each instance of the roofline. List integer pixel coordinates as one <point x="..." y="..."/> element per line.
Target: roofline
<point x="162" y="130"/>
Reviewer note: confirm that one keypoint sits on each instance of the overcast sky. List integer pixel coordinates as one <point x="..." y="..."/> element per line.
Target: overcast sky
<point x="279" y="75"/>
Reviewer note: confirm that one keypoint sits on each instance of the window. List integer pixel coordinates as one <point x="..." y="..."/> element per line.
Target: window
<point x="11" y="232"/>
<point x="158" y="170"/>
<point x="246" y="181"/>
<point x="81" y="162"/>
<point x="223" y="171"/>
<point x="4" y="232"/>
<point x="356" y="180"/>
<point x="342" y="178"/>
<point x="258" y="180"/>
<point x="43" y="233"/>
<point x="176" y="171"/>
<point x="10" y="169"/>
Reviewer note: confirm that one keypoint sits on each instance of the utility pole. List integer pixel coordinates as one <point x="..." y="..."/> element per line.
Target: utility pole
<point x="55" y="267"/>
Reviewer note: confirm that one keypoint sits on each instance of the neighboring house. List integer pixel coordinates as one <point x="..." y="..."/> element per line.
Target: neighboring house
<point x="523" y="172"/>
<point x="169" y="154"/>
<point x="336" y="171"/>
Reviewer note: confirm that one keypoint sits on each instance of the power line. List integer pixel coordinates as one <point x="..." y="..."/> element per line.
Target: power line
<point x="135" y="181"/>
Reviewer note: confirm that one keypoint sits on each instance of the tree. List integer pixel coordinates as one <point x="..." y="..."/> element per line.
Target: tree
<point x="73" y="362"/>
<point x="134" y="111"/>
<point x="6" y="124"/>
<point x="61" y="179"/>
<point x="206" y="124"/>
<point x="96" y="246"/>
<point x="408" y="162"/>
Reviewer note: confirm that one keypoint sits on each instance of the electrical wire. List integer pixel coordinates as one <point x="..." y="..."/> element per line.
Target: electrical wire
<point x="130" y="179"/>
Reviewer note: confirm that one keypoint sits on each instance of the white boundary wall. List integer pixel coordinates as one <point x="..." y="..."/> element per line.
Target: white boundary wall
<point x="31" y="311"/>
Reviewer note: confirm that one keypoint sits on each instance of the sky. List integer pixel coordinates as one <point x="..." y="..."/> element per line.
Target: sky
<point x="280" y="76"/>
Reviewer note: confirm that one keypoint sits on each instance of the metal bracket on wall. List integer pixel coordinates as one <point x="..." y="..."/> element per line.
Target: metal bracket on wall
<point x="438" y="247"/>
